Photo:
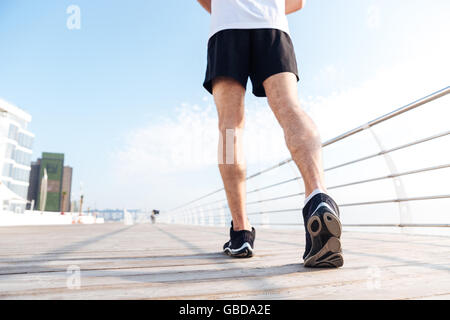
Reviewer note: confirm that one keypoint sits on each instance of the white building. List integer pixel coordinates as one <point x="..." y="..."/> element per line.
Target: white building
<point x="16" y="144"/>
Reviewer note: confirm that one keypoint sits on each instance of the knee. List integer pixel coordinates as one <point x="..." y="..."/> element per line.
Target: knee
<point x="231" y="122"/>
<point x="293" y="118"/>
<point x="284" y="102"/>
<point x="287" y="111"/>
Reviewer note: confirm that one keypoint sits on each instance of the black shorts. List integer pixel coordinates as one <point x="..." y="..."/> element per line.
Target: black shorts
<point x="254" y="53"/>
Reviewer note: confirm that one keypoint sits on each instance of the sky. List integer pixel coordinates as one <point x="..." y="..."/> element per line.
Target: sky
<point x="122" y="96"/>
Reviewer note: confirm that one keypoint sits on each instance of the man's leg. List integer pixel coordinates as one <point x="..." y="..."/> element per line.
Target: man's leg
<point x="320" y="213"/>
<point x="229" y="97"/>
<point x="301" y="134"/>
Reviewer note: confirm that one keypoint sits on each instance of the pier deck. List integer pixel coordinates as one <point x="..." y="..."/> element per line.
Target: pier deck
<point x="184" y="262"/>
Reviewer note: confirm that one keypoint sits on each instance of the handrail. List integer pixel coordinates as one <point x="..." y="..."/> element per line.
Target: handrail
<point x="404" y="225"/>
<point x="390" y="176"/>
<point x="435" y="197"/>
<point x="395" y="113"/>
<point x="370" y="124"/>
<point x="416" y="142"/>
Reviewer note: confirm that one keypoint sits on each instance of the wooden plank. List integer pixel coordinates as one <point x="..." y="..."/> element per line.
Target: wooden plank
<point x="177" y="262"/>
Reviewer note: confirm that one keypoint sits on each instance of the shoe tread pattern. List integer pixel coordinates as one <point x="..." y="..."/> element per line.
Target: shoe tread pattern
<point x="325" y="230"/>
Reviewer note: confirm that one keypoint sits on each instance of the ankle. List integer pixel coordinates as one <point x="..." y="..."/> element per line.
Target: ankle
<point x="242" y="226"/>
<point x="310" y="194"/>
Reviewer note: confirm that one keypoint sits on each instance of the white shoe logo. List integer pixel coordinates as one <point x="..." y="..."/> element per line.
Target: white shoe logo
<point x="324" y="204"/>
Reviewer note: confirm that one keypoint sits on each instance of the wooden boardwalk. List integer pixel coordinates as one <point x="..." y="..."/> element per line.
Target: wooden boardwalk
<point x="184" y="262"/>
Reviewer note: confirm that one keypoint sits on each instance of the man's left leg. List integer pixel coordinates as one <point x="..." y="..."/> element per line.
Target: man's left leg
<point x="321" y="214"/>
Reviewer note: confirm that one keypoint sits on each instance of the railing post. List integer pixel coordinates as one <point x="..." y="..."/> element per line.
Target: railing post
<point x="265" y="220"/>
<point x="202" y="217"/>
<point x="403" y="207"/>
<point x="210" y="218"/>
<point x="196" y="219"/>
<point x="222" y="217"/>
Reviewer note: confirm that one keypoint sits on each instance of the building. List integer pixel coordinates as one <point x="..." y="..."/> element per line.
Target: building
<point x="59" y="183"/>
<point x="66" y="189"/>
<point x="16" y="144"/>
<point x="34" y="185"/>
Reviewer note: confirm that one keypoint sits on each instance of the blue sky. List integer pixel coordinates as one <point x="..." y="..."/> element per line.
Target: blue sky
<point x="130" y="69"/>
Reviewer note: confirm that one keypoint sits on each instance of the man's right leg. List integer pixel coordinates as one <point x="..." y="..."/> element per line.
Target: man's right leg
<point x="229" y="97"/>
<point x="321" y="214"/>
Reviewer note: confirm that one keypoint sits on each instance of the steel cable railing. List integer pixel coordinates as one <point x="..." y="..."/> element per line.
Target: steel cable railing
<point x="390" y="176"/>
<point x="402" y="225"/>
<point x="342" y="205"/>
<point x="185" y="207"/>
<point x="433" y="137"/>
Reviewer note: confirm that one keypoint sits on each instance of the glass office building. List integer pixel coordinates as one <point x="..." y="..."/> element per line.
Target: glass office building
<point x="16" y="144"/>
<point x="59" y="183"/>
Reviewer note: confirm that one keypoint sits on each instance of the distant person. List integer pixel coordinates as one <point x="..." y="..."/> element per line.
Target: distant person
<point x="153" y="216"/>
<point x="250" y="38"/>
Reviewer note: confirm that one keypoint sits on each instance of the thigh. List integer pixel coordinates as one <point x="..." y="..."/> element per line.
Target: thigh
<point x="281" y="90"/>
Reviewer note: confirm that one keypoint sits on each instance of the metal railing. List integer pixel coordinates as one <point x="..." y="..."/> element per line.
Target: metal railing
<point x="187" y="210"/>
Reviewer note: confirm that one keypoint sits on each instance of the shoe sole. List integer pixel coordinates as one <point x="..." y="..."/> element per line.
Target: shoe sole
<point x="325" y="230"/>
<point x="245" y="251"/>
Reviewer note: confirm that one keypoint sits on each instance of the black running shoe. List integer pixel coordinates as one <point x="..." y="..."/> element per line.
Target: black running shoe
<point x="241" y="243"/>
<point x="323" y="232"/>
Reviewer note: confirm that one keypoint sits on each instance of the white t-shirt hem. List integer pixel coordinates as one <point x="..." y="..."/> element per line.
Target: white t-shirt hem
<point x="250" y="25"/>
